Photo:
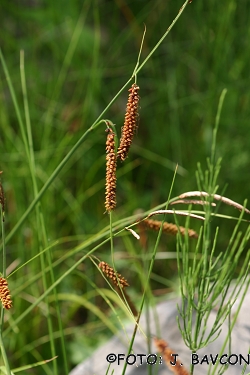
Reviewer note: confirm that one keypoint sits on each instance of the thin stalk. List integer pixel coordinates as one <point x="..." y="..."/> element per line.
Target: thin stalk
<point x="111" y="239"/>
<point x="42" y="238"/>
<point x="213" y="147"/>
<point x="162" y="38"/>
<point x="217" y="120"/>
<point x="14" y="99"/>
<point x="3" y="242"/>
<point x="139" y="55"/>
<point x="148" y="276"/>
<point x="235" y="317"/>
<point x="5" y="358"/>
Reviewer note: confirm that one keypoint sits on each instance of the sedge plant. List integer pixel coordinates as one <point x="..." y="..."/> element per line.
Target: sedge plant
<point x="59" y="261"/>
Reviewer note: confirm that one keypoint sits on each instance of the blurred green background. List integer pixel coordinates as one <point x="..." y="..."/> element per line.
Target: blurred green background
<point x="78" y="54"/>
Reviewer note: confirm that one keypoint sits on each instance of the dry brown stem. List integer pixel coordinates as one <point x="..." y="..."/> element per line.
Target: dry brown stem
<point x="216" y="197"/>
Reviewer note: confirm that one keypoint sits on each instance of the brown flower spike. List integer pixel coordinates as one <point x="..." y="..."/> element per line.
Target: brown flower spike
<point x="167" y="228"/>
<point x="120" y="283"/>
<point x="110" y="201"/>
<point x="5" y="294"/>
<point x="114" y="276"/>
<point x="130" y="123"/>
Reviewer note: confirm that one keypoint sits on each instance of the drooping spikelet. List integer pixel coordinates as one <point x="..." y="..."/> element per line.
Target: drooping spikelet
<point x="114" y="276"/>
<point x="167" y="228"/>
<point x="110" y="194"/>
<point x="130" y="122"/>
<point x="167" y="353"/>
<point x="217" y="197"/>
<point x="119" y="282"/>
<point x="5" y="294"/>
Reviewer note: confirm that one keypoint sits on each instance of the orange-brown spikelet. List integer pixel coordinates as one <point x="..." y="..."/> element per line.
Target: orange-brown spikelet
<point x="120" y="283"/>
<point x="114" y="276"/>
<point x="167" y="228"/>
<point x="110" y="194"/>
<point x="130" y="123"/>
<point x="167" y="354"/>
<point x="5" y="294"/>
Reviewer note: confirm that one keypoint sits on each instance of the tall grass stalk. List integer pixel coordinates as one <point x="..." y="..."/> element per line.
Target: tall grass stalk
<point x="42" y="235"/>
<point x="3" y="351"/>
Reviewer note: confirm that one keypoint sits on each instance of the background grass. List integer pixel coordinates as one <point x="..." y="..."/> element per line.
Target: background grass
<point x="78" y="54"/>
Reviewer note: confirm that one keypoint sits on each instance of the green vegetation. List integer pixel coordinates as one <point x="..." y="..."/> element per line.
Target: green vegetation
<point x="62" y="63"/>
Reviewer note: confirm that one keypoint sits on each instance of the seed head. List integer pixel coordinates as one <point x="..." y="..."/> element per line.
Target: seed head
<point x="5" y="294"/>
<point x="114" y="276"/>
<point x="130" y="123"/>
<point x="110" y="201"/>
<point x="167" y="228"/>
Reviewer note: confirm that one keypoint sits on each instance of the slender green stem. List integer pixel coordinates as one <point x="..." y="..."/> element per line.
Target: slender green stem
<point x="139" y="55"/>
<point x="217" y="120"/>
<point x="148" y="276"/>
<point x="41" y="231"/>
<point x="12" y="92"/>
<point x="3" y="243"/>
<point x="111" y="238"/>
<point x="5" y="358"/>
<point x="162" y="38"/>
